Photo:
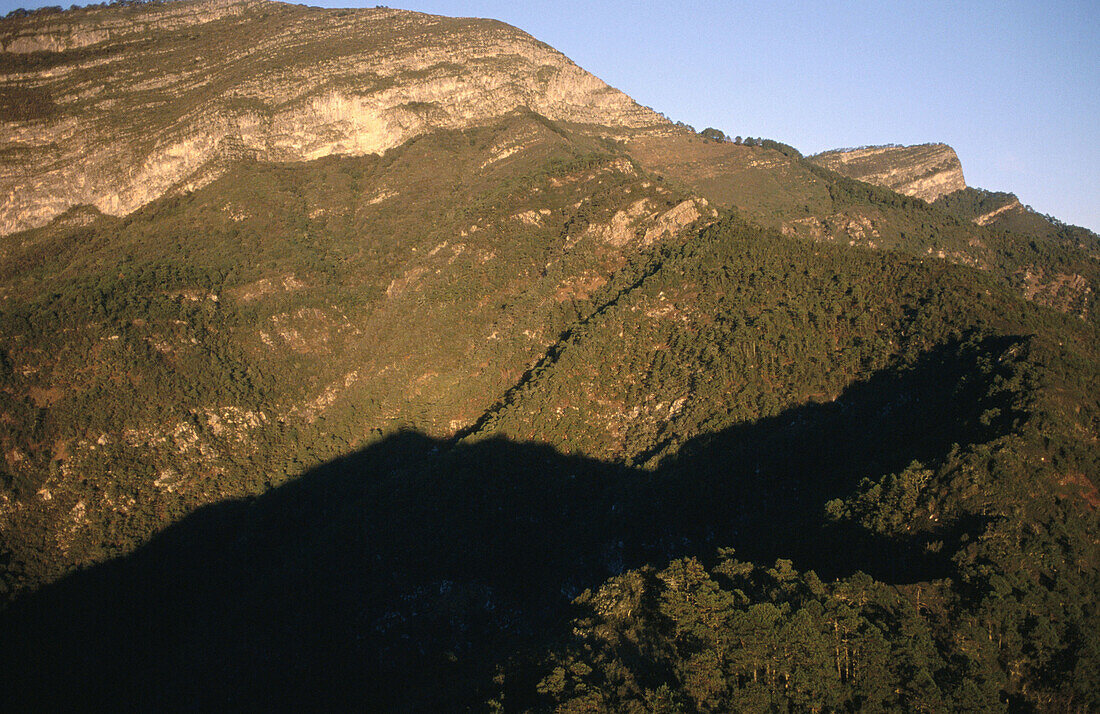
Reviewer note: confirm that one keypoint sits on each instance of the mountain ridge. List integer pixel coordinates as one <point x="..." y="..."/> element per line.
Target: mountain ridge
<point x="476" y="421"/>
<point x="926" y="171"/>
<point x="190" y="105"/>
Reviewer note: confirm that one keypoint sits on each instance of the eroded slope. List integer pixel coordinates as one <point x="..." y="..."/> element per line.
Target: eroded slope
<point x="926" y="171"/>
<point x="117" y="106"/>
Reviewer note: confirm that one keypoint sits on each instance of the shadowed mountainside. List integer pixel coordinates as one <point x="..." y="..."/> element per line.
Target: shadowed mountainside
<point x="407" y="574"/>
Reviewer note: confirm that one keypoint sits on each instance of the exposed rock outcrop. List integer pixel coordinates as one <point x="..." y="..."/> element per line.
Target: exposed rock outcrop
<point x="115" y="107"/>
<point x="926" y="171"/>
<point x="986" y="218"/>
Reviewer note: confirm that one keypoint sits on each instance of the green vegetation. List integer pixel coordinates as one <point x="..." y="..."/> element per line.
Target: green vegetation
<point x="971" y="203"/>
<point x="282" y="316"/>
<point x="945" y="480"/>
<point x="455" y="427"/>
<point x="714" y="134"/>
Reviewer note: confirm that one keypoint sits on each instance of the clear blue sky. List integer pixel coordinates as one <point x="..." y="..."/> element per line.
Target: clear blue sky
<point x="1014" y="87"/>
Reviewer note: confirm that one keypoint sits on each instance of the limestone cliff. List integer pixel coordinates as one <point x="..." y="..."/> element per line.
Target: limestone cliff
<point x="117" y="106"/>
<point x="926" y="171"/>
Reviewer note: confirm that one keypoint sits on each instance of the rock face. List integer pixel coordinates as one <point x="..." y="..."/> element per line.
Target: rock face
<point x="925" y="171"/>
<point x="115" y="107"/>
<point x="990" y="217"/>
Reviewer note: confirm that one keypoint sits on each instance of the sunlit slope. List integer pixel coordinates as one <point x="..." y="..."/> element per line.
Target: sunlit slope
<point x="740" y="324"/>
<point x="774" y="186"/>
<point x="215" y="343"/>
<point x="116" y="106"/>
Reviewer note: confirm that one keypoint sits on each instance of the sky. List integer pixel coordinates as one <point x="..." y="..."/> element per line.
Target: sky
<point x="1013" y="87"/>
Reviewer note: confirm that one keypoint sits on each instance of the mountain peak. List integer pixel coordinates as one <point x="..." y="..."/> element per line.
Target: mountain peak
<point x="115" y="107"/>
<point x="925" y="171"/>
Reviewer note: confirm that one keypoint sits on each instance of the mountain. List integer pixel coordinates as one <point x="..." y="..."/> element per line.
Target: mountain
<point x="117" y="106"/>
<point x="933" y="172"/>
<point x="516" y="396"/>
<point x="927" y="171"/>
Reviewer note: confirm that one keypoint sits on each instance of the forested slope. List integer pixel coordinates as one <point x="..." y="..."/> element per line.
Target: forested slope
<point x="901" y="518"/>
<point x="526" y="414"/>
<point x="213" y="345"/>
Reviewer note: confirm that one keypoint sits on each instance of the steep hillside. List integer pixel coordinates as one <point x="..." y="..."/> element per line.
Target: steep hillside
<point x="932" y="438"/>
<point x="764" y="379"/>
<point x="927" y="171"/>
<point x="363" y="359"/>
<point x="1004" y="211"/>
<point x="772" y="184"/>
<point x="213" y="344"/>
<point x="117" y="106"/>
